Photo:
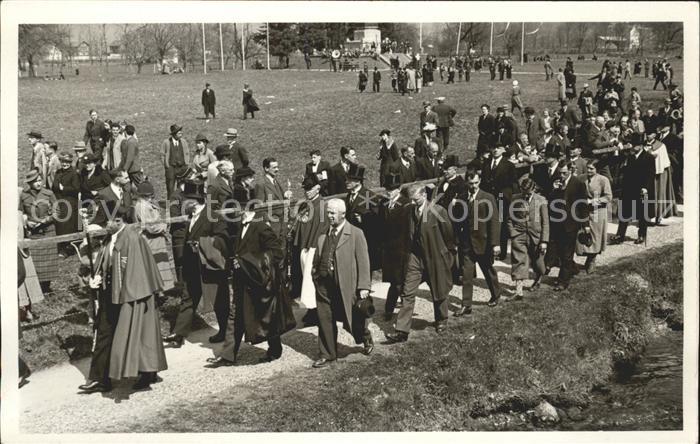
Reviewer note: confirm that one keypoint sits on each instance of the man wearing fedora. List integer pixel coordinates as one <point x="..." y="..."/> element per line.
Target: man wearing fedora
<point x="239" y="155"/>
<point x="38" y="159"/>
<point x="175" y="154"/>
<point x="486" y="126"/>
<point x="342" y="277"/>
<point x="204" y="271"/>
<point x="394" y="218"/>
<point x="498" y="177"/>
<point x="66" y="188"/>
<point x="209" y="101"/>
<point x="131" y="161"/>
<point x="422" y="144"/>
<point x="80" y="151"/>
<point x="362" y="210"/>
<point x="450" y="186"/>
<point x="445" y="120"/>
<point x="430" y="258"/>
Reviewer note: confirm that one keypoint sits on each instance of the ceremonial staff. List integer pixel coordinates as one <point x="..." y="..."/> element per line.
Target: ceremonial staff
<point x="92" y="291"/>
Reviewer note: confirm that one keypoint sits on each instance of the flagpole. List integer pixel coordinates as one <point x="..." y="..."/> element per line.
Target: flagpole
<point x="221" y="47"/>
<point x="204" y="49"/>
<point x="522" y="46"/>
<point x="267" y="42"/>
<point x="459" y="35"/>
<point x="420" y="37"/>
<point x="243" y="45"/>
<point x="491" y="41"/>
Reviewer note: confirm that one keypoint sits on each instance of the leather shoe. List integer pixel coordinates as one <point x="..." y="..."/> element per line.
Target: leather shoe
<point x="216" y="338"/>
<point x="219" y="362"/>
<point x="639" y="240"/>
<point x="95" y="386"/>
<point x="561" y="287"/>
<point x="616" y="240"/>
<point x="546" y="271"/>
<point x="395" y="337"/>
<point x="440" y="327"/>
<point x="368" y="348"/>
<point x="174" y="339"/>
<point x="533" y="287"/>
<point x="144" y="382"/>
<point x="463" y="311"/>
<point x="320" y="363"/>
<point x="269" y="358"/>
<point x="502" y="256"/>
<point x="493" y="302"/>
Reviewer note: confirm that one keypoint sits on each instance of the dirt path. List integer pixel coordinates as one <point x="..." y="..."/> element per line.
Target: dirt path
<point x="51" y="403"/>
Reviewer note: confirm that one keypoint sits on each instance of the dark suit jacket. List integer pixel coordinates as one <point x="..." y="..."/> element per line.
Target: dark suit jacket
<point x="430" y="117"/>
<point x="267" y="191"/>
<point x="109" y="206"/>
<point x="571" y="117"/>
<point x="259" y="238"/>
<point x="407" y="174"/>
<point x="422" y="147"/>
<point x="395" y="239"/>
<point x="486" y="126"/>
<point x="500" y="180"/>
<point x="220" y="192"/>
<point x="388" y="155"/>
<point x="427" y="168"/>
<point x="208" y="100"/>
<point x="130" y="156"/>
<point x="239" y="156"/>
<point x="322" y="166"/>
<point x="364" y="214"/>
<point x="445" y="115"/>
<point x="478" y="232"/>
<point x="562" y="209"/>
<point x="509" y="133"/>
<point x="534" y="130"/>
<point x="562" y="142"/>
<point x="95" y="133"/>
<point x="543" y="180"/>
<point x="204" y="227"/>
<point x="337" y="178"/>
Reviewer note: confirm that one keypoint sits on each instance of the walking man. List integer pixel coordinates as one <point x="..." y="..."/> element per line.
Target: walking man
<point x="175" y="153"/>
<point x="209" y="101"/>
<point x="376" y="79"/>
<point x="445" y="114"/>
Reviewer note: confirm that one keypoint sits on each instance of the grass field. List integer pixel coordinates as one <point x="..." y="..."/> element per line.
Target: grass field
<point x="300" y="111"/>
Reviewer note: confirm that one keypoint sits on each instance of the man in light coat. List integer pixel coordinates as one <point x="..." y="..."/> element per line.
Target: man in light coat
<point x="341" y="276"/>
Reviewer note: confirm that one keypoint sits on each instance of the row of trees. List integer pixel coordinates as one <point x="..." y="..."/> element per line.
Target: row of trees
<point x="140" y="44"/>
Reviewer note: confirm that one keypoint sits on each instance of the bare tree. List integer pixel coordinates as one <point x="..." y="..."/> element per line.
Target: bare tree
<point x="137" y="45"/>
<point x="668" y="35"/>
<point x="233" y="48"/>
<point x="162" y="37"/>
<point x="36" y="40"/>
<point x="187" y="43"/>
<point x="579" y="32"/>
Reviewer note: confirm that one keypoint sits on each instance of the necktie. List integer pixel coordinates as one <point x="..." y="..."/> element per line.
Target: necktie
<point x="493" y="164"/>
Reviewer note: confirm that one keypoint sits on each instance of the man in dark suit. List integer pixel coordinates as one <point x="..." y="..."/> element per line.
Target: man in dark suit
<point x="545" y="174"/>
<point x="388" y="154"/>
<point x="209" y="101"/>
<point x="95" y="134"/>
<point x="269" y="189"/>
<point x="663" y="117"/>
<point x="561" y="138"/>
<point x="430" y="258"/>
<point x="506" y="130"/>
<point x="255" y="240"/>
<point x="486" y="127"/>
<point x="445" y="120"/>
<point x="204" y="229"/>
<point x="376" y="79"/>
<point x="114" y="201"/>
<point x="422" y="144"/>
<point x="131" y="162"/>
<point x="430" y="166"/>
<point x="479" y="234"/>
<point x="427" y="116"/>
<point x="339" y="172"/>
<point x="319" y="169"/>
<point x="395" y="240"/>
<point x="362" y="206"/>
<point x="175" y="154"/>
<point x="498" y="178"/>
<point x="239" y="155"/>
<point x="342" y="277"/>
<point x="650" y="121"/>
<point x="568" y="213"/>
<point x="449" y="188"/>
<point x="572" y="120"/>
<point x="533" y="126"/>
<point x="638" y="189"/>
<point x="405" y="167"/>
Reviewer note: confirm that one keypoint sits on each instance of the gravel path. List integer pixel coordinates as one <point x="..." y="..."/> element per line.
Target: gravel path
<point x="51" y="403"/>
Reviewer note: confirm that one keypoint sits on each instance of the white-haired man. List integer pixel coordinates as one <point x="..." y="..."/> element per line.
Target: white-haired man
<point x="341" y="276"/>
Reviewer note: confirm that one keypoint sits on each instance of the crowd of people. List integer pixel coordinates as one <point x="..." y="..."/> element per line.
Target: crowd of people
<point x="542" y="184"/>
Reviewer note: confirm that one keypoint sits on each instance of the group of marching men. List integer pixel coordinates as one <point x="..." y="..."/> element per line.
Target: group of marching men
<point x="323" y="250"/>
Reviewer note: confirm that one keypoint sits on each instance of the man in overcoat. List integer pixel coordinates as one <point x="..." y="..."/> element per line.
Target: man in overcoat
<point x="338" y="174"/>
<point x="362" y="210"/>
<point x="498" y="177"/>
<point x="175" y="154"/>
<point x="209" y="101"/>
<point x="486" y="127"/>
<point x="388" y="154"/>
<point x="479" y="234"/>
<point x="131" y="161"/>
<point x="445" y="114"/>
<point x="430" y="258"/>
<point x="342" y="277"/>
<point x="95" y="134"/>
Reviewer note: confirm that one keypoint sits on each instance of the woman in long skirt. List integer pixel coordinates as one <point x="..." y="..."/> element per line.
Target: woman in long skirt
<point x="66" y="187"/>
<point x="599" y="196"/>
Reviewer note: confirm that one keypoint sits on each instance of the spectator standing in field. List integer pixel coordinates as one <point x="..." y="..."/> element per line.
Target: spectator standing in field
<point x="320" y="170"/>
<point x="548" y="71"/>
<point x="249" y="103"/>
<point x="427" y="116"/>
<point x="38" y="159"/>
<point x="486" y="127"/>
<point x="362" y="81"/>
<point x="446" y="115"/>
<point x="95" y="134"/>
<point x="114" y="201"/>
<point x="376" y="79"/>
<point x="175" y="154"/>
<point x="387" y="155"/>
<point x="52" y="163"/>
<point x="93" y="178"/>
<point x="561" y="86"/>
<point x="37" y="204"/>
<point x="498" y="178"/>
<point x="66" y="187"/>
<point x="660" y="77"/>
<point x="269" y="189"/>
<point x="209" y="101"/>
<point x="112" y="154"/>
<point x="202" y="158"/>
<point x="646" y="68"/>
<point x="338" y="174"/>
<point x="239" y="154"/>
<point x="516" y="102"/>
<point x="131" y="162"/>
<point x="585" y="102"/>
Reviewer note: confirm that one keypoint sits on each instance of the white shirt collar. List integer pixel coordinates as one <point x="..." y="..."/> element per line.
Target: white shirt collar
<point x="117" y="190"/>
<point x="338" y="229"/>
